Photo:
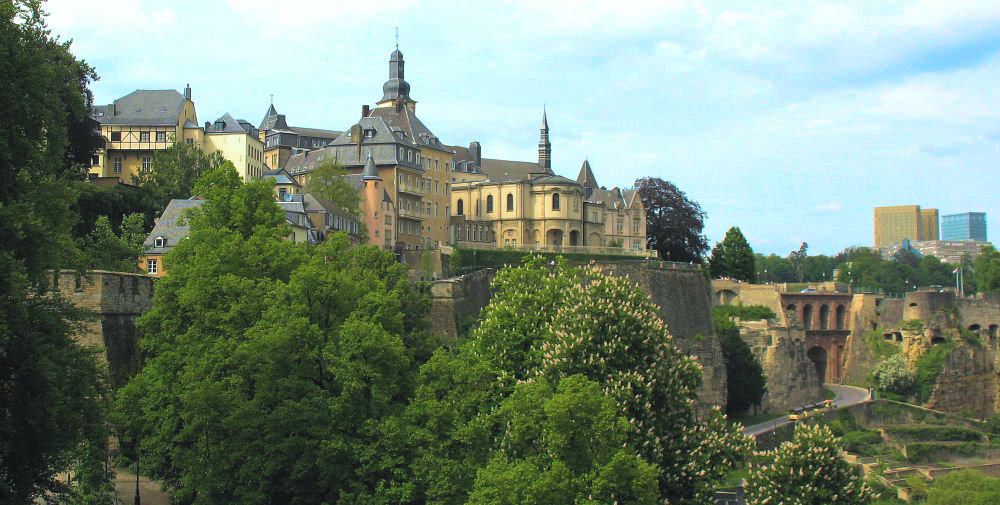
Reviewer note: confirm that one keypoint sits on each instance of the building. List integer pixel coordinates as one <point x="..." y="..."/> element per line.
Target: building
<point x="525" y="205"/>
<point x="281" y="141"/>
<point x="169" y="230"/>
<point x="950" y="251"/>
<point x="137" y="125"/>
<point x="239" y="142"/>
<point x="893" y="224"/>
<point x="964" y="226"/>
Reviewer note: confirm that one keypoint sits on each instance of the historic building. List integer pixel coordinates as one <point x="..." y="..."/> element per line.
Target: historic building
<point x="525" y="205"/>
<point x="281" y="141"/>
<point x="238" y="141"/>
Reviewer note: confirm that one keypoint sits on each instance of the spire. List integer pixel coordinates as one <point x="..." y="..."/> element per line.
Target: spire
<point x="544" y="147"/>
<point x="586" y="177"/>
<point x="396" y="88"/>
<point x="370" y="172"/>
<point x="270" y="117"/>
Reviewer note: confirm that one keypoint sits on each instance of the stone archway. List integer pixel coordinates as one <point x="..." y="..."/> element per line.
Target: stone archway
<point x="727" y="297"/>
<point x="841" y="316"/>
<point x="574" y="237"/>
<point x="554" y="237"/>
<point x="819" y="356"/>
<point x="824" y="317"/>
<point x="807" y="317"/>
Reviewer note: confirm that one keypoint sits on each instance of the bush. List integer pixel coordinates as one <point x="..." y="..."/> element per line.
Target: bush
<point x="912" y="325"/>
<point x="744" y="312"/>
<point x="929" y="368"/>
<point x="993" y="424"/>
<point x="933" y="433"/>
<point x="923" y="452"/>
<point x="893" y="375"/>
<point x="863" y="442"/>
<point x="879" y="347"/>
<point x="971" y="338"/>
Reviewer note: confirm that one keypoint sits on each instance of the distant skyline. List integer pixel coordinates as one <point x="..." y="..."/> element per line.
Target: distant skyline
<point x="791" y="120"/>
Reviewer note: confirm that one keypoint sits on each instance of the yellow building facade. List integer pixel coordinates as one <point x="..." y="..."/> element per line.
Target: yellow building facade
<point x="893" y="224"/>
<point x="238" y="142"/>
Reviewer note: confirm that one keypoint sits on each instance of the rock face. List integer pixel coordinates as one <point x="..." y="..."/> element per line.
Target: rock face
<point x="968" y="381"/>
<point x="792" y="380"/>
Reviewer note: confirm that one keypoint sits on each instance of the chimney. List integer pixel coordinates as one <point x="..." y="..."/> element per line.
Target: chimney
<point x="476" y="151"/>
<point x="365" y="110"/>
<point x="356" y="134"/>
<point x="114" y="107"/>
<point x="187" y="92"/>
<point x="208" y="126"/>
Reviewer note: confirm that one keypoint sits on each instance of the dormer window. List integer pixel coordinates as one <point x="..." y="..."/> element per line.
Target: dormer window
<point x="369" y="133"/>
<point x="159" y="242"/>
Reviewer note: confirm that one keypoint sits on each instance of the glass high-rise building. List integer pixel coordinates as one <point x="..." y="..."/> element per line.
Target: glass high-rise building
<point x="964" y="226"/>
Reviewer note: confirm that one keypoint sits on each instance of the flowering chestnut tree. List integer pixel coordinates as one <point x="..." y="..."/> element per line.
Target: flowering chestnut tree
<point x="808" y="470"/>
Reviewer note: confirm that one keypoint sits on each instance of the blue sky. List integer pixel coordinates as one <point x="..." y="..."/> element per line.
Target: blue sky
<point x="791" y="120"/>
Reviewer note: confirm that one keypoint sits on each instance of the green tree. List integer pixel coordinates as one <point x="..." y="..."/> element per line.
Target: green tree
<point x="174" y="172"/>
<point x="329" y="181"/>
<point x="674" y="223"/>
<point x="746" y="383"/>
<point x="968" y="487"/>
<point x="808" y="470"/>
<point x="798" y="258"/>
<point x="894" y="375"/>
<point x="50" y="389"/>
<point x="271" y="365"/>
<point x="987" y="270"/>
<point x="733" y="257"/>
<point x="563" y="446"/>
<point x="107" y="251"/>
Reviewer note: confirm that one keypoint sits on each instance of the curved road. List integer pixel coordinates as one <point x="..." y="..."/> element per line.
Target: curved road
<point x="846" y="396"/>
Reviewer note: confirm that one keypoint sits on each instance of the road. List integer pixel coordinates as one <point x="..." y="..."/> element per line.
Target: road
<point x="846" y="396"/>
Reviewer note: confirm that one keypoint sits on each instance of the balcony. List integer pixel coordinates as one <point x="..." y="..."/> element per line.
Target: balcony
<point x="411" y="189"/>
<point x="411" y="214"/>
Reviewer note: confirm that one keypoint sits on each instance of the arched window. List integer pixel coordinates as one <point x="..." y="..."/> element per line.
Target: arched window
<point x="555" y="201"/>
<point x="460" y="208"/>
<point x="510" y="202"/>
<point x="489" y="204"/>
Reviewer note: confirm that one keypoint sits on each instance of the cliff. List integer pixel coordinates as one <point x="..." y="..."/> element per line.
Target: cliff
<point x="791" y="377"/>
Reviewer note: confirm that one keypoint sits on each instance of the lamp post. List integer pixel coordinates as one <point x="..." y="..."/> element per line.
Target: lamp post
<point x="137" y="499"/>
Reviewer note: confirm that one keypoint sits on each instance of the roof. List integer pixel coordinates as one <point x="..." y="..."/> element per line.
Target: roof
<point x="507" y="170"/>
<point x="370" y="172"/>
<point x="170" y="226"/>
<point x="229" y="124"/>
<point x="146" y="107"/>
<point x="315" y="132"/>
<point x="416" y="131"/>
<point x="280" y="176"/>
<point x="553" y="179"/>
<point x="188" y="124"/>
<point x="586" y="176"/>
<point x="269" y="118"/>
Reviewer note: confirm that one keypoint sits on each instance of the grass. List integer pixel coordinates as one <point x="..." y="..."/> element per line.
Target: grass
<point x="828" y="395"/>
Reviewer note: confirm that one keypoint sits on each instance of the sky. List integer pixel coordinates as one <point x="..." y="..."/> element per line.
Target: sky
<point x="791" y="120"/>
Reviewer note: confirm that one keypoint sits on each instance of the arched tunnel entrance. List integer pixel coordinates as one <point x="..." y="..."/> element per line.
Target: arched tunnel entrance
<point x="818" y="356"/>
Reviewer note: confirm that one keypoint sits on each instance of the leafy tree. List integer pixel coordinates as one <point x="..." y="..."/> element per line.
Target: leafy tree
<point x="808" y="470"/>
<point x="553" y="321"/>
<point x="968" y="487"/>
<point x="563" y="446"/>
<point x="107" y="251"/>
<point x="674" y="223"/>
<point x="50" y="388"/>
<point x="94" y="201"/>
<point x="329" y="182"/>
<point x="746" y="383"/>
<point x="271" y="365"/>
<point x="174" y="172"/>
<point x="894" y="375"/>
<point x="987" y="270"/>
<point x="798" y="258"/>
<point x="733" y="258"/>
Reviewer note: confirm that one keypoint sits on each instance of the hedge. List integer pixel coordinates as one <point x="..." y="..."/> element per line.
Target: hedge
<point x="464" y="259"/>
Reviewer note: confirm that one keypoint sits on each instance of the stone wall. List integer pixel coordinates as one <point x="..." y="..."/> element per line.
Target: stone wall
<point x="456" y="302"/>
<point x="792" y="380"/>
<point x="968" y="381"/>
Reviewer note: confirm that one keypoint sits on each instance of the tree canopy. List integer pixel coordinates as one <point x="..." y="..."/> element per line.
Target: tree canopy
<point x="674" y="223"/>
<point x="174" y="172"/>
<point x="746" y="383"/>
<point x="987" y="270"/>
<point x="733" y="258"/>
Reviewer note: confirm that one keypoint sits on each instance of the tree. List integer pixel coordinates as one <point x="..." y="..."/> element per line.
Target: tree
<point x="733" y="257"/>
<point x="798" y="258"/>
<point x="987" y="270"/>
<point x="174" y="172"/>
<point x="329" y="181"/>
<point x="968" y="487"/>
<point x="270" y="365"/>
<point x="50" y="387"/>
<point x="894" y="375"/>
<point x="107" y="251"/>
<point x="808" y="470"/>
<point x="674" y="223"/>
<point x="746" y="383"/>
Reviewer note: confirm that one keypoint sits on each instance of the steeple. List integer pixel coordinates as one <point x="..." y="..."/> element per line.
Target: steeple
<point x="370" y="172"/>
<point x="544" y="147"/>
<point x="396" y="88"/>
<point x="586" y="177"/>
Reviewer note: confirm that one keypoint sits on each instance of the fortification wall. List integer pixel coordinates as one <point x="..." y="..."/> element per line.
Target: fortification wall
<point x="792" y="380"/>
<point x="456" y="302"/>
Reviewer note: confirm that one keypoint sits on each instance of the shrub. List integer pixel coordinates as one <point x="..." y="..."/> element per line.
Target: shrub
<point x="912" y="325"/>
<point x="863" y="442"/>
<point x="929" y="368"/>
<point x="971" y="338"/>
<point x="933" y="433"/>
<point x="879" y="347"/>
<point x="893" y="375"/>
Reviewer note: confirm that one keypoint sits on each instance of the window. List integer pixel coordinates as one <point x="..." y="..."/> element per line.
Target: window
<point x="388" y="220"/>
<point x="510" y="202"/>
<point x="435" y="164"/>
<point x="151" y="267"/>
<point x="116" y="136"/>
<point x="635" y="226"/>
<point x="161" y="136"/>
<point x="621" y="226"/>
<point x="143" y="136"/>
<point x="436" y="187"/>
<point x="468" y="232"/>
<point x="402" y="154"/>
<point x="447" y="211"/>
<point x="489" y="204"/>
<point x="117" y="165"/>
<point x="146" y="162"/>
<point x="409" y="155"/>
<point x="159" y="242"/>
<point x="460" y="208"/>
<point x="435" y="209"/>
<point x="555" y="201"/>
<point x="281" y="193"/>
<point x="376" y="233"/>
<point x="190" y="141"/>
<point x="513" y="242"/>
<point x="428" y="209"/>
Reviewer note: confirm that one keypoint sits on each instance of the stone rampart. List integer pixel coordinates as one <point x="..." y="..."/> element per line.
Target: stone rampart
<point x="456" y="302"/>
<point x="792" y="380"/>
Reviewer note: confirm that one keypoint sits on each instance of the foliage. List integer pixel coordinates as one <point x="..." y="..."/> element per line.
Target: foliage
<point x="894" y="375"/>
<point x="464" y="259"/>
<point x="862" y="442"/>
<point x="935" y="433"/>
<point x="987" y="270"/>
<point x="968" y="487"/>
<point x="733" y="258"/>
<point x="329" y="182"/>
<point x="563" y="446"/>
<point x="797" y="258"/>
<point x="918" y="488"/>
<point x="104" y="250"/>
<point x="928" y="369"/>
<point x="912" y="325"/>
<point x="880" y="348"/>
<point x="746" y="383"/>
<point x="269" y="364"/>
<point x="51" y="389"/>
<point x="674" y="224"/>
<point x="924" y="452"/>
<point x="806" y="470"/>
<point x="94" y="201"/>
<point x="174" y="172"/>
<point x="993" y="424"/>
<point x="843" y="423"/>
<point x="816" y="268"/>
<point x="555" y="321"/>
<point x="970" y="337"/>
<point x="864" y="268"/>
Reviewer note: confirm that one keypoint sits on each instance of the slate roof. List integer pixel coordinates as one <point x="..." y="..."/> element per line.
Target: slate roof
<point x="145" y="107"/>
<point x="190" y="124"/>
<point x="416" y="131"/>
<point x="230" y="125"/>
<point x="280" y="176"/>
<point x="269" y="118"/>
<point x="370" y="172"/>
<point x="507" y="170"/>
<point x="586" y="176"/>
<point x="553" y="179"/>
<point x="315" y="132"/>
<point x="170" y="226"/>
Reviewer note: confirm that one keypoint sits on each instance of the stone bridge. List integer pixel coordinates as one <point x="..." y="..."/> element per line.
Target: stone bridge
<point x="823" y="315"/>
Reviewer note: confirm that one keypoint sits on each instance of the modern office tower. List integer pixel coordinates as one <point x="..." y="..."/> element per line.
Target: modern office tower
<point x="964" y="226"/>
<point x="893" y="224"/>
